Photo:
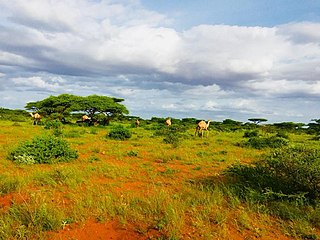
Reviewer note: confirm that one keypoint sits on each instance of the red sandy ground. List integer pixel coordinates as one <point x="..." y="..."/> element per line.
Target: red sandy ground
<point x="113" y="230"/>
<point x="95" y="231"/>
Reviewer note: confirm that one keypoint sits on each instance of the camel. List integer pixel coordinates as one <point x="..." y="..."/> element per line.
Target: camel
<point x="137" y="123"/>
<point x="168" y="122"/>
<point x="36" y="118"/>
<point x="85" y="118"/>
<point x="201" y="127"/>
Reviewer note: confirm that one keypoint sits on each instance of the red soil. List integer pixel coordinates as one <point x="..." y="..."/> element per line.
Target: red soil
<point x="94" y="231"/>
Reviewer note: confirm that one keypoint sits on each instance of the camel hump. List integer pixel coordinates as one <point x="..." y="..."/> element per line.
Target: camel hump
<point x="85" y="117"/>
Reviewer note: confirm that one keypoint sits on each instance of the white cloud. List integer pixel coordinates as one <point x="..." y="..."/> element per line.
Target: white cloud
<point x="285" y="87"/>
<point x="37" y="82"/>
<point x="122" y="48"/>
<point x="302" y="32"/>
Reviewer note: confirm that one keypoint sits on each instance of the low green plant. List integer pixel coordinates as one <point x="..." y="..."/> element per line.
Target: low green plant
<point x="282" y="134"/>
<point x="36" y="215"/>
<point x="70" y="177"/>
<point x="52" y="124"/>
<point x="172" y="138"/>
<point x="94" y="158"/>
<point x="43" y="149"/>
<point x="132" y="153"/>
<point x="266" y="142"/>
<point x="8" y="184"/>
<point x="119" y="132"/>
<point x="252" y="133"/>
<point x="286" y="173"/>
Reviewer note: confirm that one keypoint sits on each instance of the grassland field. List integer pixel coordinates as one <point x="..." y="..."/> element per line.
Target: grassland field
<point x="139" y="188"/>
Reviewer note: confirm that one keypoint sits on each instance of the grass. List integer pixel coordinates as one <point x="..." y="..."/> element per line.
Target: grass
<point x="179" y="191"/>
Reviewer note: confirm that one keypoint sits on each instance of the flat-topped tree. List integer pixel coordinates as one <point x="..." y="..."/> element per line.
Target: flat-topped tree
<point x="57" y="107"/>
<point x="257" y="120"/>
<point x="94" y="104"/>
<point x="315" y="127"/>
<point x="64" y="104"/>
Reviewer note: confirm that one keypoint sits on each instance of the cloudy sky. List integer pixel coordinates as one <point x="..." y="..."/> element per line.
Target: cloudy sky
<point x="208" y="59"/>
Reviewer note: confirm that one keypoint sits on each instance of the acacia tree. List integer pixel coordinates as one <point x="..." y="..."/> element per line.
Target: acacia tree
<point x="54" y="106"/>
<point x="314" y="127"/>
<point x="62" y="105"/>
<point x="257" y="120"/>
<point x="108" y="106"/>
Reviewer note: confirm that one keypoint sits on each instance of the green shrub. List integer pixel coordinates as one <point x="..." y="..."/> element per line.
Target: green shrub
<point x="249" y="134"/>
<point x="36" y="216"/>
<point x="43" y="149"/>
<point x="172" y="138"/>
<point x="52" y="124"/>
<point x="262" y="142"/>
<point x="283" y="134"/>
<point x="287" y="173"/>
<point x="56" y="126"/>
<point x="119" y="132"/>
<point x="9" y="184"/>
<point x="132" y="153"/>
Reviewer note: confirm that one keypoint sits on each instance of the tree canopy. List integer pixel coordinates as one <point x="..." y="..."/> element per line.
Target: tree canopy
<point x="257" y="120"/>
<point x="64" y="104"/>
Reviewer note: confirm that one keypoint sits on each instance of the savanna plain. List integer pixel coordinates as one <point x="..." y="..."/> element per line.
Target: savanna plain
<point x="159" y="182"/>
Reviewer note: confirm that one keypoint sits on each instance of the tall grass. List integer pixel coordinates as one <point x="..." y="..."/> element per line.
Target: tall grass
<point x="31" y="218"/>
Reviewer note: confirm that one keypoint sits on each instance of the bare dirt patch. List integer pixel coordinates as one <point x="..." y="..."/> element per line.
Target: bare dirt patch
<point x="95" y="231"/>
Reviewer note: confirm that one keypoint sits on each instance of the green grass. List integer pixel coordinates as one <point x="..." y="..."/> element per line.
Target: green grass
<point x="178" y="190"/>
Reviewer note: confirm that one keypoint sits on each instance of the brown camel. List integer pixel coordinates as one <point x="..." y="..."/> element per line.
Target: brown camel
<point x="168" y="122"/>
<point x="36" y="118"/>
<point x="201" y="127"/>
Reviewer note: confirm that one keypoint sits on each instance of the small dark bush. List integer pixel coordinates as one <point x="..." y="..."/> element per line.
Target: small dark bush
<point x="271" y="142"/>
<point x="282" y="134"/>
<point x="43" y="149"/>
<point x="249" y="134"/>
<point x="119" y="132"/>
<point x="172" y="138"/>
<point x="52" y="124"/>
<point x="56" y="126"/>
<point x="173" y="134"/>
<point x="132" y="153"/>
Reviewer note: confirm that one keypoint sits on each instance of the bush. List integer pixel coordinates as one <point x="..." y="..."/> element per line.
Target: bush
<point x="119" y="132"/>
<point x="249" y="134"/>
<point x="132" y="153"/>
<point x="291" y="173"/>
<point x="52" y="124"/>
<point x="283" y="134"/>
<point x="43" y="149"/>
<point x="172" y="138"/>
<point x="261" y="142"/>
<point x="55" y="126"/>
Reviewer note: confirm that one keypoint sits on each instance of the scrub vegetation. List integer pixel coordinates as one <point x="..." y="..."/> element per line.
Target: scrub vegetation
<point x="243" y="181"/>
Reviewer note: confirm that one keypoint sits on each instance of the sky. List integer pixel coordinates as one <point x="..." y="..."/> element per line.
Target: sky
<point x="207" y="59"/>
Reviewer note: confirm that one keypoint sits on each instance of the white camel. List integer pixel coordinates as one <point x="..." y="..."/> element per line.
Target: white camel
<point x="168" y="122"/>
<point x="201" y="127"/>
<point x="85" y="118"/>
<point x="36" y="118"/>
<point x="137" y="123"/>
